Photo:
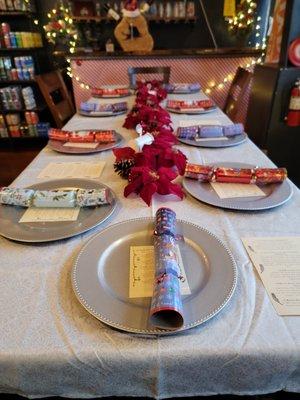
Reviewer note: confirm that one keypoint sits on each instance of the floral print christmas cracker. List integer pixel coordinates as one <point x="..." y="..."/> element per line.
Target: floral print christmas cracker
<point x="166" y="308"/>
<point x="55" y="198"/>
<point x="205" y="173"/>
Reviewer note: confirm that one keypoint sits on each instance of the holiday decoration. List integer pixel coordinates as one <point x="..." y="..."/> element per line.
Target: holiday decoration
<point x="242" y="22"/>
<point x="153" y="169"/>
<point x="60" y="30"/>
<point x="133" y="19"/>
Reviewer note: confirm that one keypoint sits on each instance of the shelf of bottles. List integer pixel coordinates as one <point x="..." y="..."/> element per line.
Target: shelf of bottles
<point x="161" y="11"/>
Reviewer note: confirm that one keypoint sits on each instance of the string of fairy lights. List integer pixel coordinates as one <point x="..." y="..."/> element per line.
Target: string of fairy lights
<point x="244" y="19"/>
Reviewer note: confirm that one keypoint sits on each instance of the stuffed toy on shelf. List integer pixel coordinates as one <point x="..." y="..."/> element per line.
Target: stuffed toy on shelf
<point x="133" y="19"/>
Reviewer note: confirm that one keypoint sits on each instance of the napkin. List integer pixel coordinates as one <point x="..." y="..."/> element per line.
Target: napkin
<point x="205" y="173"/>
<point x="166" y="307"/>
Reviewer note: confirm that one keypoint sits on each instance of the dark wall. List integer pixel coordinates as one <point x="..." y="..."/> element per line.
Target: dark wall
<point x="184" y="35"/>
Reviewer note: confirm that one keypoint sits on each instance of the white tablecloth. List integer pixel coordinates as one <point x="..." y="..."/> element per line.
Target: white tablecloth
<point x="50" y="345"/>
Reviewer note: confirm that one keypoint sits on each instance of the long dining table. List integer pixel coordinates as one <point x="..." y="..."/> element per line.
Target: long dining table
<point x="50" y="345"/>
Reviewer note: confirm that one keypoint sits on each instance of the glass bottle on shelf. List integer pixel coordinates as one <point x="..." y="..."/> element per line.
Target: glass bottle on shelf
<point x="146" y="6"/>
<point x="161" y="10"/>
<point x="98" y="8"/>
<point x="176" y="9"/>
<point x="181" y="9"/>
<point x="111" y="12"/>
<point x="168" y="10"/>
<point x="190" y="9"/>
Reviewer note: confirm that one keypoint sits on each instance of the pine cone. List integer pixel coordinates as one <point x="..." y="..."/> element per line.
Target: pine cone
<point x="123" y="167"/>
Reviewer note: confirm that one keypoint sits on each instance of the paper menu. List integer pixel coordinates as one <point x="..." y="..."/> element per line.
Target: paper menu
<point x="72" y="170"/>
<point x="49" y="215"/>
<point x="81" y="145"/>
<point x="236" y="190"/>
<point x="277" y="261"/>
<point x="141" y="275"/>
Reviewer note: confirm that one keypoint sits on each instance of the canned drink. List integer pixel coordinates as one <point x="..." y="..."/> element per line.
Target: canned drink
<point x="7" y="42"/>
<point x="13" y="40"/>
<point x="19" y="39"/>
<point x="28" y="117"/>
<point x="15" y="131"/>
<point x="5" y="27"/>
<point x="20" y="73"/>
<point x="17" y="61"/>
<point x="26" y="74"/>
<point x="14" y="74"/>
<point x="34" y="117"/>
<point x="15" y="119"/>
<point x="32" y="130"/>
<point x="31" y="73"/>
<point x="3" y="133"/>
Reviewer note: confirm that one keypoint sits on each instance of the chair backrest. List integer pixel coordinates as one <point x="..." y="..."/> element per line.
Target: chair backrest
<point x="56" y="96"/>
<point x="237" y="91"/>
<point x="134" y="71"/>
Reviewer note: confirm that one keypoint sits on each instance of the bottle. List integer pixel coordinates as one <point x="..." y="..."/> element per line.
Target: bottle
<point x="111" y="12"/>
<point x="146" y="6"/>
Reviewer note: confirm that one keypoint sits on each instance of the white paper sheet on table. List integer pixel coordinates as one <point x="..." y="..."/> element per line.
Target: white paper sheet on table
<point x="49" y="215"/>
<point x="81" y="145"/>
<point x="72" y="170"/>
<point x="232" y="190"/>
<point x="277" y="261"/>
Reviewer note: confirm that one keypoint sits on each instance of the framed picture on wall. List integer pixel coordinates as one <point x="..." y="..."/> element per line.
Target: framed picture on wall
<point x="83" y="8"/>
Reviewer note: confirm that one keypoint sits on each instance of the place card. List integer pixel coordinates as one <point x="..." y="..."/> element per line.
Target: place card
<point x="277" y="261"/>
<point x="141" y="275"/>
<point x="81" y="145"/>
<point x="192" y="122"/>
<point x="224" y="138"/>
<point x="50" y="215"/>
<point x="232" y="190"/>
<point x="72" y="170"/>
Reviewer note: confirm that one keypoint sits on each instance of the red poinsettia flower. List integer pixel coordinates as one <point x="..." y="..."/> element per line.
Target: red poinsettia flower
<point x="124" y="153"/>
<point x="169" y="158"/>
<point x="145" y="182"/>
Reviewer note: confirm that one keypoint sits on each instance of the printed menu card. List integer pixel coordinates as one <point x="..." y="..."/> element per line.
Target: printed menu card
<point x="277" y="261"/>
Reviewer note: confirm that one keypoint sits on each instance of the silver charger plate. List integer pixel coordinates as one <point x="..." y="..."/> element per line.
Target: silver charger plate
<point x="35" y="232"/>
<point x="60" y="148"/>
<point x="100" y="276"/>
<point x="196" y="112"/>
<point x="231" y="141"/>
<point x="102" y="114"/>
<point x="276" y="194"/>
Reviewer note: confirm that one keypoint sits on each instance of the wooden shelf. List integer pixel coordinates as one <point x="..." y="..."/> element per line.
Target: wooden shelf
<point x="17" y="81"/>
<point x="17" y="14"/>
<point x="20" y="49"/>
<point x="149" y="18"/>
<point x="38" y="109"/>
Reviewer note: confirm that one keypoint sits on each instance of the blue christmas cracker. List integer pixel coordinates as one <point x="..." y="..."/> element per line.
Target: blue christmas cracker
<point x="166" y="307"/>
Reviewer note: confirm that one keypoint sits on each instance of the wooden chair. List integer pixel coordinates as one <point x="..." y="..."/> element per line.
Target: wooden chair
<point x="134" y="71"/>
<point x="57" y="97"/>
<point x="237" y="91"/>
